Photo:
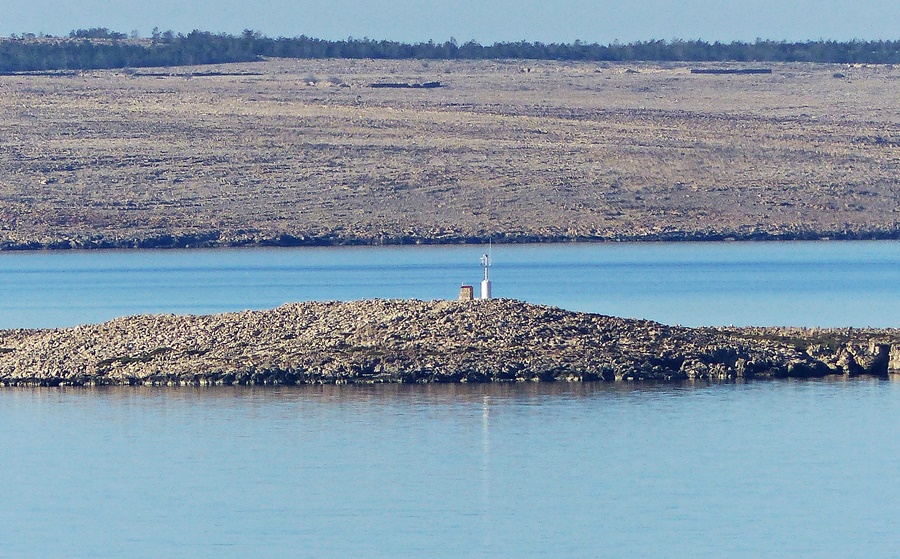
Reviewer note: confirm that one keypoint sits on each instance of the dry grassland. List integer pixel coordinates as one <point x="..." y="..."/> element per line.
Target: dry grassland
<point x="296" y="151"/>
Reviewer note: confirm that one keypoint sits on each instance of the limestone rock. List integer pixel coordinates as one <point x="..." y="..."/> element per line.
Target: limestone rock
<point x="376" y="341"/>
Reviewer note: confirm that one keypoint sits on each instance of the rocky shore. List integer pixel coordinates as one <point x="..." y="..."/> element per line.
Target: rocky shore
<point x="381" y="341"/>
<point x="436" y="236"/>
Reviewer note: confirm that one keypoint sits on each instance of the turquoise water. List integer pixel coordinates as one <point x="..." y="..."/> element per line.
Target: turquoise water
<point x="804" y="284"/>
<point x="765" y="469"/>
<point x="770" y="469"/>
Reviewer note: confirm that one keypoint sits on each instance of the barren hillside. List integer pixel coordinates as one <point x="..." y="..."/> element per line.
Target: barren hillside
<point x="290" y="152"/>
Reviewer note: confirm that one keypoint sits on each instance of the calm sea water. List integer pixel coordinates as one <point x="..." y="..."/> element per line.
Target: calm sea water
<point x="770" y="469"/>
<point x="763" y="469"/>
<point x="803" y="284"/>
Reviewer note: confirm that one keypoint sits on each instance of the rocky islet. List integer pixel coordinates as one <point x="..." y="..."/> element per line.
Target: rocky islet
<point x="410" y="341"/>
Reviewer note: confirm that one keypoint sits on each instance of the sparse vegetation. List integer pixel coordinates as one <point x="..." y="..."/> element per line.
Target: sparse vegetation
<point x="257" y="153"/>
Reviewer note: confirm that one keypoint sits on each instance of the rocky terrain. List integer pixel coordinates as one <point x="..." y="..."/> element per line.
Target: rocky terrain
<point x="298" y="152"/>
<point x="380" y="341"/>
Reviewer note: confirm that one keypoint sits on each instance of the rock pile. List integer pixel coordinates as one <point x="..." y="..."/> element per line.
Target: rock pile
<point x="417" y="341"/>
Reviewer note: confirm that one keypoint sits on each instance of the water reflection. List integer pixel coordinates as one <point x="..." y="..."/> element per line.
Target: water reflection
<point x="430" y="395"/>
<point x="515" y="470"/>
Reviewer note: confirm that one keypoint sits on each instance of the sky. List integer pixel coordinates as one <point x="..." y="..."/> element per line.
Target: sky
<point x="485" y="21"/>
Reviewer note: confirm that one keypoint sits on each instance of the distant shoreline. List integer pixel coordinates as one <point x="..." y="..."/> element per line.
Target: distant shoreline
<point x="290" y="241"/>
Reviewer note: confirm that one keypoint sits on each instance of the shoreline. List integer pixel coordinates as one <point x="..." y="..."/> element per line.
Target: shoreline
<point x="215" y="241"/>
<point x="418" y="342"/>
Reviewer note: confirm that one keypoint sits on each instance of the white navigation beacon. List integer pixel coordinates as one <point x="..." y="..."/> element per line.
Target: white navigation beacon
<point x="485" y="283"/>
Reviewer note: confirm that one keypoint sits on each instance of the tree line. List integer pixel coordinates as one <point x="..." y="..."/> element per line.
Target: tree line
<point x="97" y="48"/>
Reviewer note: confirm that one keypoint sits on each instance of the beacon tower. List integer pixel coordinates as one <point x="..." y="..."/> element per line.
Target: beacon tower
<point x="486" y="282"/>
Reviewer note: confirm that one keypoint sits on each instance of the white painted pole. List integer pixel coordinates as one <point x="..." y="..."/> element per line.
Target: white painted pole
<point x="486" y="282"/>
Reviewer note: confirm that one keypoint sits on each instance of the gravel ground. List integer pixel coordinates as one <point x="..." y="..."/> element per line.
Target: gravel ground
<point x="378" y="341"/>
<point x="290" y="152"/>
